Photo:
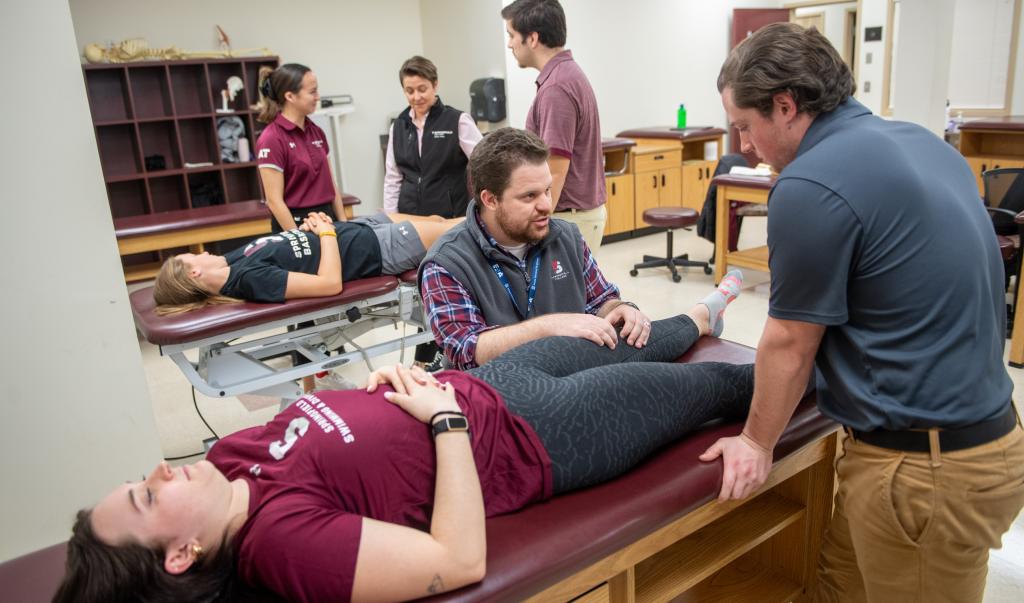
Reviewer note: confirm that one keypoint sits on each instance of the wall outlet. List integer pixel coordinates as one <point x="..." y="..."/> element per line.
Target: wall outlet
<point x="867" y="86"/>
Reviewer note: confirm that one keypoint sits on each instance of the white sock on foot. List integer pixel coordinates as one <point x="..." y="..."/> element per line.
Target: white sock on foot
<point x="717" y="300"/>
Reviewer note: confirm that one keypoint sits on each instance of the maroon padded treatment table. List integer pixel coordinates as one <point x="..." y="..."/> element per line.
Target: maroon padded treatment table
<point x="656" y="534"/>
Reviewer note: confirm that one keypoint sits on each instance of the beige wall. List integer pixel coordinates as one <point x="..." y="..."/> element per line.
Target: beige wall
<point x="477" y="49"/>
<point x="355" y="47"/>
<point x="76" y="417"/>
<point x="643" y="59"/>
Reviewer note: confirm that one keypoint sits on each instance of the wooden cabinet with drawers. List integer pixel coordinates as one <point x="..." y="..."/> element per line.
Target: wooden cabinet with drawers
<point x="657" y="178"/>
<point x="690" y="146"/>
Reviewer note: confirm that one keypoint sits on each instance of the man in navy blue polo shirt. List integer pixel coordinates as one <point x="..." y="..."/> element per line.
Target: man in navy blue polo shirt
<point x="886" y="278"/>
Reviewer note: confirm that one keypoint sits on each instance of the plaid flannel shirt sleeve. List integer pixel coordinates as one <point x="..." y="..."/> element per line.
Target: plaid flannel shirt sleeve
<point x="453" y="316"/>
<point x="599" y="289"/>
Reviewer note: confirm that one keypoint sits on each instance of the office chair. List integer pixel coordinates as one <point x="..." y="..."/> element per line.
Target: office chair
<point x="1004" y="199"/>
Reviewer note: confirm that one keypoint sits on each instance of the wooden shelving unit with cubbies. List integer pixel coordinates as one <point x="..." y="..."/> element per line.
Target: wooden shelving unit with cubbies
<point x="169" y="109"/>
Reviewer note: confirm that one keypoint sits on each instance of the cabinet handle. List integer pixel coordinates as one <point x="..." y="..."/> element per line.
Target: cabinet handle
<point x="655" y="177"/>
<point x="995" y="167"/>
<point x="658" y="157"/>
<point x="708" y="170"/>
<point x="983" y="168"/>
<point x="663" y="179"/>
<point x="613" y="189"/>
<point x="700" y="174"/>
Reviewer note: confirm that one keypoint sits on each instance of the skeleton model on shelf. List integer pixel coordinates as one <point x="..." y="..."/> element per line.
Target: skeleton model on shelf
<point x="228" y="94"/>
<point x="137" y="49"/>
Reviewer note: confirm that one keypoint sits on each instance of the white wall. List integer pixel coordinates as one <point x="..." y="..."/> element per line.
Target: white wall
<point x="355" y="47"/>
<point x="925" y="40"/>
<point x="872" y="14"/>
<point x="643" y="59"/>
<point x="478" y="50"/>
<point x="75" y="415"/>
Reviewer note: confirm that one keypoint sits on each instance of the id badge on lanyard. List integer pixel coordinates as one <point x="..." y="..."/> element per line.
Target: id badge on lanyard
<point x="531" y="292"/>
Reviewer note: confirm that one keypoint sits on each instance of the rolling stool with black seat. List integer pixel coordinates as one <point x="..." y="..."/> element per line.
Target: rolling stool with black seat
<point x="670" y="218"/>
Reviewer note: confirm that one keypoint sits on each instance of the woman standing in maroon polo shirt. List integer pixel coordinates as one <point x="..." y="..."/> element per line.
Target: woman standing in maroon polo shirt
<point x="292" y="151"/>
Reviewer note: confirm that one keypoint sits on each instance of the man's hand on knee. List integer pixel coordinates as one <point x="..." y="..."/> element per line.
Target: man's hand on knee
<point x="584" y="326"/>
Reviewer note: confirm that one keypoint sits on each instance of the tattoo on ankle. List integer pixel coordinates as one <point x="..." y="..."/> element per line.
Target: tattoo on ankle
<point x="436" y="585"/>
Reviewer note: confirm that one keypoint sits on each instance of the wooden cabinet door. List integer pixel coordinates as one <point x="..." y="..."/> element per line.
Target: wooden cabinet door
<point x="670" y="183"/>
<point x="978" y="166"/>
<point x="621" y="213"/>
<point x="645" y="188"/>
<point x="694" y="185"/>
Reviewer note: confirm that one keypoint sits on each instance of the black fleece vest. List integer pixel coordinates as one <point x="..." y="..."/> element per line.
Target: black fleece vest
<point x="434" y="182"/>
<point x="466" y="253"/>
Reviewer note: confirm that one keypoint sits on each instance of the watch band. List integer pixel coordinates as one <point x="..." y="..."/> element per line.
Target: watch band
<point x="450" y="423"/>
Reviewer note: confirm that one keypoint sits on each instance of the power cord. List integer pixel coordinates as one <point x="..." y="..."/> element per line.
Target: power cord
<point x="195" y="404"/>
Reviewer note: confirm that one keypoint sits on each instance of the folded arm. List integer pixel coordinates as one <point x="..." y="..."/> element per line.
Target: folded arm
<point x="400" y="563"/>
<point x="328" y="278"/>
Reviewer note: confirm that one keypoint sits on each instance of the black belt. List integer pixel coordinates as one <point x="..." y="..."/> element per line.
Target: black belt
<point x="957" y="438"/>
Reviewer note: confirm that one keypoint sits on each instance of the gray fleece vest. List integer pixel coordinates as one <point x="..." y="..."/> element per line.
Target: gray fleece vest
<point x="467" y="253"/>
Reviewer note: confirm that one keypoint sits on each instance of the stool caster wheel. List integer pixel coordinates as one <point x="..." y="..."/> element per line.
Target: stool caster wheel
<point x="708" y="270"/>
<point x="634" y="272"/>
<point x="676" y="278"/>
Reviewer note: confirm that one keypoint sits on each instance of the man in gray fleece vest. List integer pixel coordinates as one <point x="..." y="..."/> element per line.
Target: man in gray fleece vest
<point x="510" y="273"/>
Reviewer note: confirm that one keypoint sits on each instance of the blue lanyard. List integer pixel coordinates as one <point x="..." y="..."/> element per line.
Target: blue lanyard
<point x="508" y="287"/>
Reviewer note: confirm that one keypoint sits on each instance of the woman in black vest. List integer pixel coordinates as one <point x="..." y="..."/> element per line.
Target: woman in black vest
<point x="425" y="165"/>
<point x="428" y="149"/>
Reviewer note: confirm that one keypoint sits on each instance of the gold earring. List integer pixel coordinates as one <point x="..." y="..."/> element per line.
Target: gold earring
<point x="197" y="551"/>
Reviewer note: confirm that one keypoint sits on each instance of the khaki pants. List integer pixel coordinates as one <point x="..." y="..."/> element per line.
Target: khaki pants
<point x="590" y="222"/>
<point x="907" y="529"/>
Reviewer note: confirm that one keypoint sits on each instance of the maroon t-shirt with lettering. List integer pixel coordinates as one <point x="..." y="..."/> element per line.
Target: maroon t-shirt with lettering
<point x="332" y="458"/>
<point x="301" y="155"/>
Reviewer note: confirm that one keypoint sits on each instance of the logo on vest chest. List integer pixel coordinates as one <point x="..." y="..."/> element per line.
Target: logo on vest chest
<point x="441" y="134"/>
<point x="557" y="271"/>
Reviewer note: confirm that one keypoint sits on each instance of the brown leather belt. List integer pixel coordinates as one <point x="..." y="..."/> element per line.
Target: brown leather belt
<point x="957" y="438"/>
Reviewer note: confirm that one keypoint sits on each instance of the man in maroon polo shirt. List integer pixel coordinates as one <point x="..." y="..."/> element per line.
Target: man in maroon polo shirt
<point x="564" y="114"/>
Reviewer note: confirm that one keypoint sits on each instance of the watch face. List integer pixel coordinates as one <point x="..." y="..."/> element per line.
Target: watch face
<point x="457" y="423"/>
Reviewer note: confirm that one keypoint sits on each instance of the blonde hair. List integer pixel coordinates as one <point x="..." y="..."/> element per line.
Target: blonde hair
<point x="175" y="291"/>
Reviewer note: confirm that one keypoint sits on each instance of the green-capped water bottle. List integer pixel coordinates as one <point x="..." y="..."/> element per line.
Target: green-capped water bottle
<point x="681" y="117"/>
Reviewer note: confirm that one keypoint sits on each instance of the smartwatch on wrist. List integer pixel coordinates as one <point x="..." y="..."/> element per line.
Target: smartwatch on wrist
<point x="450" y="423"/>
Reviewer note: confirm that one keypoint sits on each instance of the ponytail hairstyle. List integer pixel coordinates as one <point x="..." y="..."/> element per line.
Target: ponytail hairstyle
<point x="273" y="86"/>
<point x="175" y="291"/>
<point x="97" y="572"/>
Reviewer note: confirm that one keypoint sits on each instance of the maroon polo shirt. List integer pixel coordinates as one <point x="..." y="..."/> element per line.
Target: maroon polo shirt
<point x="564" y="114"/>
<point x="301" y="155"/>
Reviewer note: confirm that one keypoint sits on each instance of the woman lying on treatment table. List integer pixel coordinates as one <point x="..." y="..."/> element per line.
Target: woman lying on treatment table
<point x="310" y="262"/>
<point x="381" y="495"/>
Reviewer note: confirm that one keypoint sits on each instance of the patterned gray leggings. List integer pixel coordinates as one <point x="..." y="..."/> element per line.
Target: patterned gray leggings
<point x="598" y="412"/>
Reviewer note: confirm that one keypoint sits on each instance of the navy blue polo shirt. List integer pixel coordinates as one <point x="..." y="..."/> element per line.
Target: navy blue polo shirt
<point x="876" y="230"/>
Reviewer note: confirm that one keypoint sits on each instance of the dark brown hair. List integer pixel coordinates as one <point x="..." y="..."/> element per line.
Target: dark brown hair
<point x="103" y="573"/>
<point x="420" y="66"/>
<point x="286" y="78"/>
<point x="499" y="154"/>
<point x="785" y="57"/>
<point x="545" y="17"/>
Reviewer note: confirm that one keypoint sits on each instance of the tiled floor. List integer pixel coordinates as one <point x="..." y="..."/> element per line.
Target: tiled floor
<point x="182" y="432"/>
